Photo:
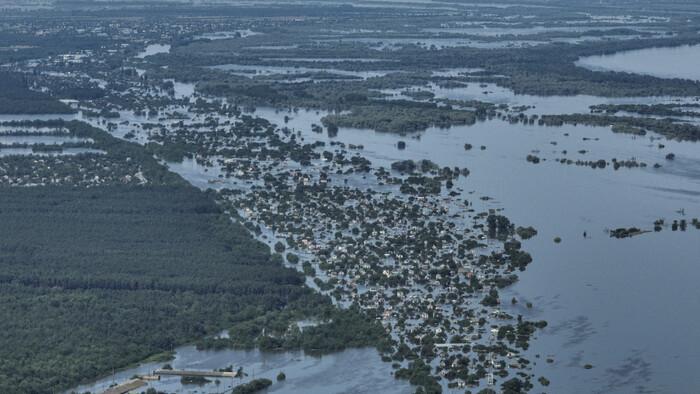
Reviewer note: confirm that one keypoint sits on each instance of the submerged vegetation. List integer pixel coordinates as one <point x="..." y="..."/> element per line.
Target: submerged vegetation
<point x="629" y="124"/>
<point x="399" y="117"/>
<point x="252" y="387"/>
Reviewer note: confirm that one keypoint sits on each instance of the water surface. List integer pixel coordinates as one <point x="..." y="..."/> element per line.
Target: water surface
<point x="153" y="49"/>
<point x="349" y="371"/>
<point x="664" y="62"/>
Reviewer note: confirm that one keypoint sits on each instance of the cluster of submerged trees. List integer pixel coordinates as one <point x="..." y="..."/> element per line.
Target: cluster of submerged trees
<point x="399" y="116"/>
<point x="678" y="224"/>
<point x="628" y="124"/>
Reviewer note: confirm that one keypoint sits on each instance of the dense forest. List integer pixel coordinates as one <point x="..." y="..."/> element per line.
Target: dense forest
<point x="17" y="98"/>
<point x="99" y="278"/>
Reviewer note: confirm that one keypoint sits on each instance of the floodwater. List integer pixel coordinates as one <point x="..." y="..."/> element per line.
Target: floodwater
<point x="224" y="35"/>
<point x="63" y="152"/>
<point x="19" y="118"/>
<point x="539" y="105"/>
<point x="349" y="371"/>
<point x="39" y="139"/>
<point x="182" y="89"/>
<point x="254" y="70"/>
<point x="664" y="62"/>
<point x="495" y="31"/>
<point x="428" y="42"/>
<point x="324" y="59"/>
<point x="624" y="306"/>
<point x="154" y="49"/>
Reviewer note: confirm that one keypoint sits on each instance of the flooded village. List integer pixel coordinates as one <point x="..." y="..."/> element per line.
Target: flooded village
<point x="408" y="174"/>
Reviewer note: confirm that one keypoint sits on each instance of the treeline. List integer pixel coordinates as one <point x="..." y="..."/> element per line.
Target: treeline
<point x="399" y="116"/>
<point x="337" y="329"/>
<point x="17" y="98"/>
<point x="344" y="329"/>
<point x="667" y="110"/>
<point x="628" y="124"/>
<point x="418" y="373"/>
<point x="252" y="387"/>
<point x="551" y="70"/>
